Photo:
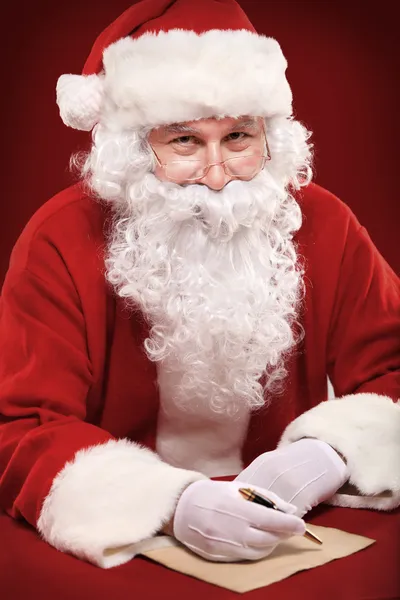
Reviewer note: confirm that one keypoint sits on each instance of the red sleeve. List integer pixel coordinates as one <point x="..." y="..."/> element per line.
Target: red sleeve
<point x="364" y="336"/>
<point x="45" y="375"/>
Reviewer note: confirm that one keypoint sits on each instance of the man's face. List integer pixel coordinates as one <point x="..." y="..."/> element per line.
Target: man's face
<point x="209" y="142"/>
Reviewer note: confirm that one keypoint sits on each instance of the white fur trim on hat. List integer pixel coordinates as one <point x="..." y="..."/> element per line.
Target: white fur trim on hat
<point x="179" y="75"/>
<point x="106" y="503"/>
<point x="365" y="429"/>
<point x="80" y="99"/>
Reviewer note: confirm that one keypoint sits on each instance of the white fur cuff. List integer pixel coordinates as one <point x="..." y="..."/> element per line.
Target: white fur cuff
<point x="106" y="503"/>
<point x="365" y="429"/>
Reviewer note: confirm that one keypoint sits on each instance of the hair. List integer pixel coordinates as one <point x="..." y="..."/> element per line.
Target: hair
<point x="261" y="217"/>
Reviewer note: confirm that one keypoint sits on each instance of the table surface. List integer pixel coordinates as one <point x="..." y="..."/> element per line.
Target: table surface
<point x="30" y="568"/>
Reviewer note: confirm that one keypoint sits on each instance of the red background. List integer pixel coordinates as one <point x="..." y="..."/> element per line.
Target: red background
<point x="343" y="69"/>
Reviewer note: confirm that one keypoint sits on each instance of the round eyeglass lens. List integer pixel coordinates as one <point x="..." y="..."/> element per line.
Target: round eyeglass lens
<point x="185" y="169"/>
<point x="244" y="166"/>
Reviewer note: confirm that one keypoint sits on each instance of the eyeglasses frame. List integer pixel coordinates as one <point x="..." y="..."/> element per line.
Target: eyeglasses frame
<point x="209" y="165"/>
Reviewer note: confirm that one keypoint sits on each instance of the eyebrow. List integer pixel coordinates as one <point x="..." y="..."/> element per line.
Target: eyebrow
<point x="179" y="128"/>
<point x="242" y="123"/>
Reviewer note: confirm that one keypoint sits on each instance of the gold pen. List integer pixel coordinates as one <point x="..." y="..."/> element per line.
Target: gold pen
<point x="253" y="496"/>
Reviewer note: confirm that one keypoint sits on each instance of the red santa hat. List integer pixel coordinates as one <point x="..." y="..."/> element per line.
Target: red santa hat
<point x="168" y="61"/>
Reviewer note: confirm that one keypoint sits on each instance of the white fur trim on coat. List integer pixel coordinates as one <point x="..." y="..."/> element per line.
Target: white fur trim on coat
<point x="365" y="429"/>
<point x="106" y="503"/>
<point x="179" y="75"/>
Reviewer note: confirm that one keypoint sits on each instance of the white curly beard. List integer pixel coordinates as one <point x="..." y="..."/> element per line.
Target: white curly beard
<point x="216" y="275"/>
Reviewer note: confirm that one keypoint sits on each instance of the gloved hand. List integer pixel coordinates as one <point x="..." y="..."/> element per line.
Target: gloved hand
<point x="213" y="520"/>
<point x="303" y="473"/>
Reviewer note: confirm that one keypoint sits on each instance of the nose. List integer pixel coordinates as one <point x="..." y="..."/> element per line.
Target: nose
<point x="216" y="178"/>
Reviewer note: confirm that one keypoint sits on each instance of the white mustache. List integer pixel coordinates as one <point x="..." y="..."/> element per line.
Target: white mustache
<point x="222" y="213"/>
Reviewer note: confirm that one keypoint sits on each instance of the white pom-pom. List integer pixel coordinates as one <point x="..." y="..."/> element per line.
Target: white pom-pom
<point x="79" y="98"/>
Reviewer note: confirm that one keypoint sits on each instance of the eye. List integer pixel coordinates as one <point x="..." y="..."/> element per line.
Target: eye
<point x="237" y="136"/>
<point x="184" y="140"/>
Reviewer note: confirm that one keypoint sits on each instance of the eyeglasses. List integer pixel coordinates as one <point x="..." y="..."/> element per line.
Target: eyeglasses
<point x="240" y="167"/>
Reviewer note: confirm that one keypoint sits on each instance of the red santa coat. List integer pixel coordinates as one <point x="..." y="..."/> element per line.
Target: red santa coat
<point x="74" y="376"/>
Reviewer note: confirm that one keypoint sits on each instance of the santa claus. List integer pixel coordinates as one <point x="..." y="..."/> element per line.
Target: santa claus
<point x="174" y="317"/>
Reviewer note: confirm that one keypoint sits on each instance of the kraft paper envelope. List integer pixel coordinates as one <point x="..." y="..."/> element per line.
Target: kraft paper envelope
<point x="296" y="554"/>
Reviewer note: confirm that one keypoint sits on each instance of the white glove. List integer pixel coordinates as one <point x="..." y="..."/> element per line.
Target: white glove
<point x="303" y="473"/>
<point x="213" y="520"/>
